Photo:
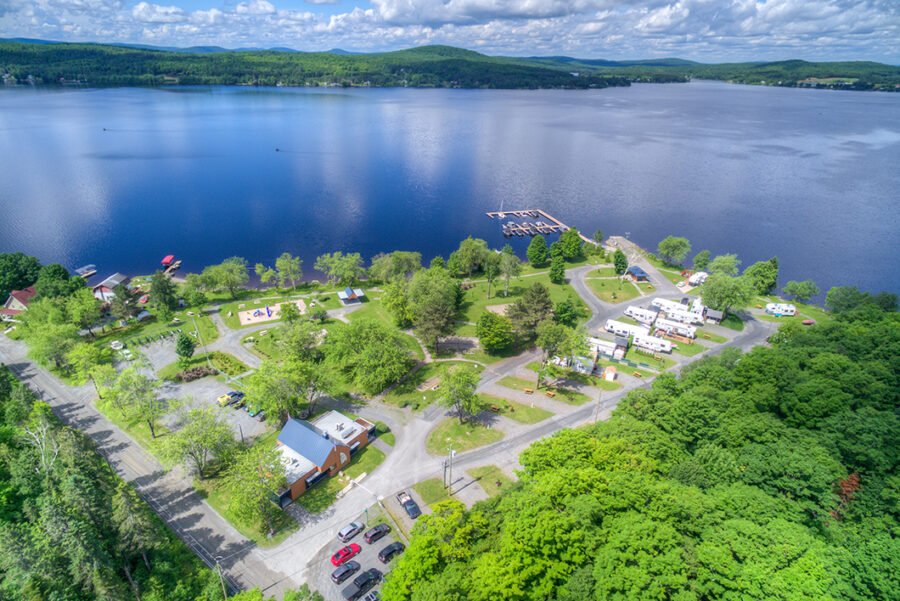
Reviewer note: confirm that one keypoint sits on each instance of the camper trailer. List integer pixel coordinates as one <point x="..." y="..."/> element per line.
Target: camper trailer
<point x="664" y="304"/>
<point x="625" y="329"/>
<point x="697" y="307"/>
<point x="673" y="327"/>
<point x="616" y="349"/>
<point x="684" y="317"/>
<point x="651" y="343"/>
<point x="645" y="316"/>
<point x="781" y="309"/>
<point x="698" y="278"/>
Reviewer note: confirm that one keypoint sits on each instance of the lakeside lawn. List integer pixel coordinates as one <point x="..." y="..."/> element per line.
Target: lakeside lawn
<point x="406" y="394"/>
<point x="227" y="364"/>
<point x="462" y="437"/>
<point x="672" y="275"/>
<point x="523" y="414"/>
<point x="613" y="291"/>
<point x="804" y="311"/>
<point x="432" y="491"/>
<point x="137" y="334"/>
<point x="316" y="298"/>
<point x="491" y="478"/>
<point x="321" y="496"/>
<point x="476" y="300"/>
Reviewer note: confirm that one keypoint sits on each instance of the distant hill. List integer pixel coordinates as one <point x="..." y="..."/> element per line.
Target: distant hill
<point x="47" y="62"/>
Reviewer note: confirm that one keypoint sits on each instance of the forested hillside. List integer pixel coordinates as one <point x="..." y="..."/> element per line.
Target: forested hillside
<point x="430" y="66"/>
<point x="770" y="475"/>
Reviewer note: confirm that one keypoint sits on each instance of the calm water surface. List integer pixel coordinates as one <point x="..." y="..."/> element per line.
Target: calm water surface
<point x="121" y="177"/>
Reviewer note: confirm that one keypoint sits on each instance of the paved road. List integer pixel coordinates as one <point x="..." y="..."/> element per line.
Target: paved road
<point x="286" y="565"/>
<point x="169" y="493"/>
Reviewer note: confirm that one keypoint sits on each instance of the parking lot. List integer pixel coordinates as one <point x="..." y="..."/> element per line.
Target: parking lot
<point x="321" y="568"/>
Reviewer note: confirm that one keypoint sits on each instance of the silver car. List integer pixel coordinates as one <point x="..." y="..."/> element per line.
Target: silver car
<point x="349" y="531"/>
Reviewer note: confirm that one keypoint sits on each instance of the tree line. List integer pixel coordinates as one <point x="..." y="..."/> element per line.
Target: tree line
<point x="765" y="475"/>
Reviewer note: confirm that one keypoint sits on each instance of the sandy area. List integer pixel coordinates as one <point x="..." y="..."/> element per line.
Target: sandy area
<point x="261" y="315"/>
<point x="498" y="309"/>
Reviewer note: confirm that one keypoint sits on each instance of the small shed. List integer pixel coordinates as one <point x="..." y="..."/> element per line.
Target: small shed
<point x="350" y="296"/>
<point x="637" y="274"/>
<point x="714" y="316"/>
<point x="609" y="373"/>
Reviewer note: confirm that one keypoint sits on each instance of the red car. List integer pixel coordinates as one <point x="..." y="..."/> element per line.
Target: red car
<point x="345" y="554"/>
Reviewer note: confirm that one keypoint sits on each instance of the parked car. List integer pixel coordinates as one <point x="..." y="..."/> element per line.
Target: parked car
<point x="388" y="553"/>
<point x="253" y="410"/>
<point x="240" y="401"/>
<point x="411" y="507"/>
<point x="361" y="584"/>
<point x="345" y="554"/>
<point x="376" y="533"/>
<point x="349" y="531"/>
<point x="230" y="397"/>
<point x="344" y="571"/>
<point x="373" y="596"/>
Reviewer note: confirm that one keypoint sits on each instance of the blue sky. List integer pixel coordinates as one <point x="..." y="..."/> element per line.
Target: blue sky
<point x="706" y="30"/>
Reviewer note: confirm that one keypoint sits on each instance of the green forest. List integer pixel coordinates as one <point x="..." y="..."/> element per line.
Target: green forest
<point x="431" y="66"/>
<point x="768" y="475"/>
<point x="426" y="66"/>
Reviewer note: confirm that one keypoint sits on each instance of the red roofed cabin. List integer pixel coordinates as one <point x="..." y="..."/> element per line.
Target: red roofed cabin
<point x="17" y="303"/>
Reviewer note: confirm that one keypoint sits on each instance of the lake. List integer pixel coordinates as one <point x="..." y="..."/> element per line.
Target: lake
<point x="122" y="177"/>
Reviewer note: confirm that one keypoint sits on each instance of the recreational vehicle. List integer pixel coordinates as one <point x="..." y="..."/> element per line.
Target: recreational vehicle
<point x="651" y="343"/>
<point x="645" y="316"/>
<point x="781" y="309"/>
<point x="673" y="327"/>
<point x="664" y="304"/>
<point x="625" y="329"/>
<point x="698" y="278"/>
<point x="684" y="317"/>
<point x="616" y="349"/>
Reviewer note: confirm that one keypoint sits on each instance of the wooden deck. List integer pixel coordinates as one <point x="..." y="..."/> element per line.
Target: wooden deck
<point x="544" y="223"/>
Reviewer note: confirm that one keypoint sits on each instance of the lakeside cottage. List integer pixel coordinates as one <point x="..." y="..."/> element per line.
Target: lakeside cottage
<point x="16" y="303"/>
<point x="313" y="450"/>
<point x="104" y="291"/>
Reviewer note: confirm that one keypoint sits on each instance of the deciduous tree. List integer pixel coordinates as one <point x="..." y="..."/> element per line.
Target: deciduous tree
<point x="459" y="391"/>
<point x="763" y="275"/>
<point x="371" y="354"/>
<point x="510" y="266"/>
<point x="17" y="271"/>
<point x="802" y="291"/>
<point x="397" y="265"/>
<point x="342" y="269"/>
<point x="494" y="332"/>
<point x="558" y="270"/>
<point x="396" y="300"/>
<point x="256" y="475"/>
<point x="230" y="275"/>
<point x="673" y="249"/>
<point x="701" y="260"/>
<point x="204" y="436"/>
<point x="289" y="269"/>
<point x="571" y="244"/>
<point x="620" y="261"/>
<point x="184" y="348"/>
<point x="528" y="311"/>
<point x="433" y="297"/>
<point x="537" y="252"/>
<point x="724" y="293"/>
<point x="725" y="265"/>
<point x="83" y="309"/>
<point x="163" y="295"/>
<point x="54" y="280"/>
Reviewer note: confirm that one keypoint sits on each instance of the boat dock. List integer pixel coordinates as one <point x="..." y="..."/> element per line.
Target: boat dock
<point x="544" y="223"/>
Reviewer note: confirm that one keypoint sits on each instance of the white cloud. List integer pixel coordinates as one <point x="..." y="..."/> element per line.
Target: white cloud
<point x="712" y="30"/>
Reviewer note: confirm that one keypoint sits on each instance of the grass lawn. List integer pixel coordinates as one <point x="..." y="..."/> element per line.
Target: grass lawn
<point x="671" y="275"/>
<point x="136" y="428"/>
<point x="603" y="272"/>
<point x="265" y="345"/>
<point x="613" y="291"/>
<point x="219" y="497"/>
<point x="491" y="478"/>
<point x="407" y="394"/>
<point x="517" y="411"/>
<point x="690" y="350"/>
<point x="733" y="322"/>
<point x="516" y="383"/>
<point x="462" y="437"/>
<point x="432" y="491"/>
<point x="707" y="335"/>
<point x="607" y="385"/>
<point x="571" y="397"/>
<point x="804" y="311"/>
<point x="258" y="299"/>
<point x="385" y="434"/>
<point x="626" y="369"/>
<point x="137" y="334"/>
<point x="661" y="364"/>
<point x="626" y="319"/>
<point x="476" y="300"/>
<point x="323" y="494"/>
<point x="227" y="364"/>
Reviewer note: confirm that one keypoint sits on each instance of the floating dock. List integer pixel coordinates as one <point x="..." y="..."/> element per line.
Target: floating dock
<point x="545" y="224"/>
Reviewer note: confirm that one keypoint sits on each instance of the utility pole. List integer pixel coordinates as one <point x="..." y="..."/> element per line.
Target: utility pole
<point x="450" y="469"/>
<point x="221" y="577"/>
<point x="597" y="410"/>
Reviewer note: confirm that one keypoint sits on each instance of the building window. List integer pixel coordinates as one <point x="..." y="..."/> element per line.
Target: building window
<point x="343" y="459"/>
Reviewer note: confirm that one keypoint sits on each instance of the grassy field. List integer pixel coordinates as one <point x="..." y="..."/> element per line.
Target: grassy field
<point x="136" y="428"/>
<point x="432" y="491"/>
<point x="406" y="393"/>
<point x="804" y="311"/>
<point x="516" y="383"/>
<point x="672" y="275"/>
<point x="225" y="363"/>
<point x="689" y="350"/>
<point x="462" y="437"/>
<point x="661" y="364"/>
<point x="491" y="478"/>
<point x="603" y="272"/>
<point x="219" y="498"/>
<point x="476" y="300"/>
<point x="324" y="297"/>
<point x="704" y="334"/>
<point x="613" y="291"/>
<point x="385" y="434"/>
<point x="733" y="322"/>
<point x="145" y="332"/>
<point x="322" y="495"/>
<point x="516" y="411"/>
<point x="626" y="369"/>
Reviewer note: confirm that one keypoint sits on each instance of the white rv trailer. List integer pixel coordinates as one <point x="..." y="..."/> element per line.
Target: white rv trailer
<point x="602" y="347"/>
<point x="780" y="309"/>
<point x="697" y="307"/>
<point x="645" y="316"/>
<point x="673" y="327"/>
<point x="698" y="278"/>
<point x="667" y="305"/>
<point x="684" y="317"/>
<point x="626" y="329"/>
<point x="652" y="343"/>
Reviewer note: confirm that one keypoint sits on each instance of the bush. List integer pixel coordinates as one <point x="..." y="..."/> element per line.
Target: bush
<point x="195" y="373"/>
